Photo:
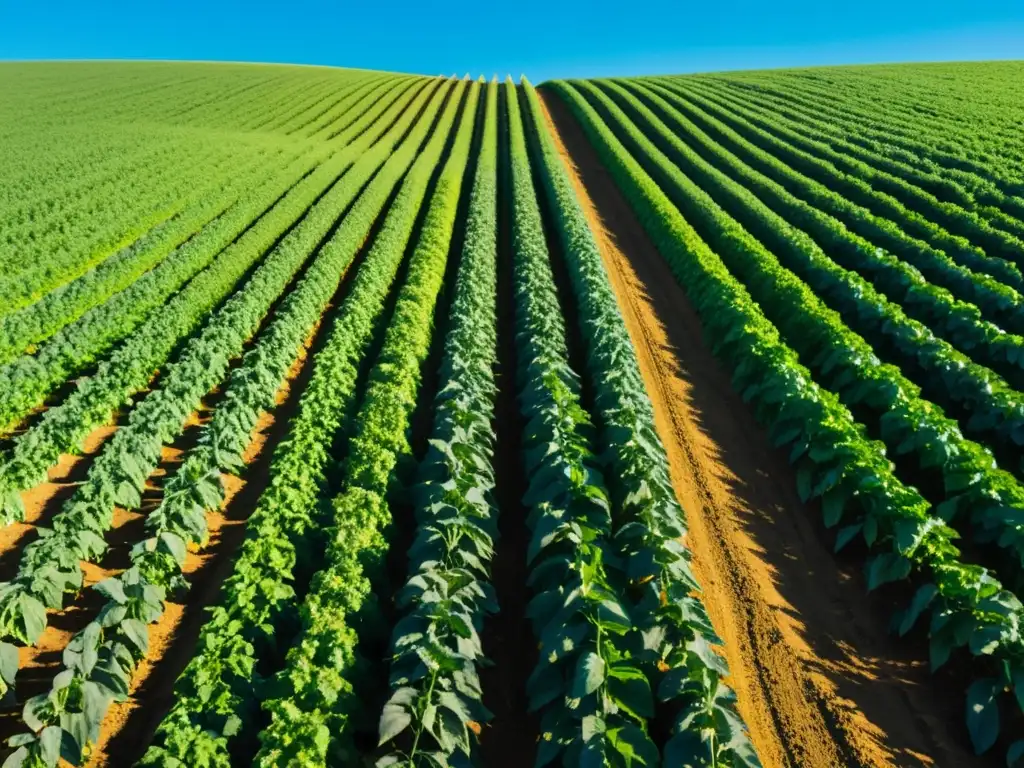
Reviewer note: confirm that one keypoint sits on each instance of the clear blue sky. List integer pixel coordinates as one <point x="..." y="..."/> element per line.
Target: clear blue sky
<point x="541" y="38"/>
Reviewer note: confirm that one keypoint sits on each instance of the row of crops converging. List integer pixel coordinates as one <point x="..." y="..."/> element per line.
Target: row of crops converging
<point x="365" y="273"/>
<point x="323" y="441"/>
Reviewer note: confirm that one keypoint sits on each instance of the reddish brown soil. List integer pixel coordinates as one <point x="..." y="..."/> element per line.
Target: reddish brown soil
<point x="820" y="681"/>
<point x="44" y="501"/>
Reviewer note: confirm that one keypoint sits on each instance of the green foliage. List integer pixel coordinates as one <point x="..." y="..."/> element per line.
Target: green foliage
<point x="434" y="711"/>
<point x="341" y="598"/>
<point x="841" y="360"/>
<point x="50" y="565"/>
<point x="958" y="322"/>
<point x="671" y="633"/>
<point x="130" y="368"/>
<point x="586" y="687"/>
<point x="341" y="595"/>
<point x="954" y="380"/>
<point x="258" y="598"/>
<point x="107" y="303"/>
<point x="857" y="270"/>
<point x="196" y="488"/>
<point x="969" y="609"/>
<point x="945" y="224"/>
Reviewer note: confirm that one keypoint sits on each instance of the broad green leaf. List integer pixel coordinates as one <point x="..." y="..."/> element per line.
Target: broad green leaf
<point x="832" y="506"/>
<point x="49" y="745"/>
<point x="589" y="675"/>
<point x="922" y="599"/>
<point x="632" y="694"/>
<point x="634" y="746"/>
<point x="8" y="662"/>
<point x="393" y="720"/>
<point x="983" y="713"/>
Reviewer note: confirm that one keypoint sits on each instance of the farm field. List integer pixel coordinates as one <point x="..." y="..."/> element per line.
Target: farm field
<point x="360" y="418"/>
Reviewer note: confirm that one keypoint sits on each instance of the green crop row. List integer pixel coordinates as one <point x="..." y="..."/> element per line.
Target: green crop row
<point x="592" y="697"/>
<point x="843" y="361"/>
<point x="101" y="659"/>
<point x="45" y="255"/>
<point x="920" y="212"/>
<point x="436" y="650"/>
<point x="21" y="330"/>
<point x="966" y="606"/>
<point x="128" y="269"/>
<point x="1000" y="300"/>
<point x="131" y="366"/>
<point x="950" y="144"/>
<point x="31" y="378"/>
<point x="57" y="219"/>
<point x="215" y="696"/>
<point x="903" y="229"/>
<point x="258" y="217"/>
<point x="51" y="564"/>
<point x="951" y="147"/>
<point x="90" y="167"/>
<point x="909" y="161"/>
<point x="957" y="321"/>
<point x="336" y="117"/>
<point x="316" y="708"/>
<point x="991" y="409"/>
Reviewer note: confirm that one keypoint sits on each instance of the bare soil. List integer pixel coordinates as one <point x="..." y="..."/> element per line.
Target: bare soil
<point x="45" y="500"/>
<point x="820" y="681"/>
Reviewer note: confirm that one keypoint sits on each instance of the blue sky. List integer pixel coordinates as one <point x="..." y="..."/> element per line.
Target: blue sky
<point x="541" y="38"/>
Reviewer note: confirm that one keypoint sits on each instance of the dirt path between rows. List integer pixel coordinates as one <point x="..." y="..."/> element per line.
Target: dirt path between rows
<point x="820" y="681"/>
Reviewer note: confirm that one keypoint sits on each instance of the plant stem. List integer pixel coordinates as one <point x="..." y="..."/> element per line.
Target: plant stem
<point x="419" y="731"/>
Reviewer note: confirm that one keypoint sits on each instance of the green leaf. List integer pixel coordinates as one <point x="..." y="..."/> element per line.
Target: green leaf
<point x="847" y="534"/>
<point x="687" y="749"/>
<point x="37" y="712"/>
<point x="703" y="650"/>
<point x="1017" y="677"/>
<point x="632" y="693"/>
<point x="590" y="674"/>
<point x="922" y="599"/>
<point x="33" y="614"/>
<point x="136" y="633"/>
<point x="593" y="727"/>
<point x="232" y="726"/>
<point x="112" y="589"/>
<point x="635" y="746"/>
<point x="17" y="758"/>
<point x="805" y="481"/>
<point x="12" y="509"/>
<point x="544" y="686"/>
<point x="8" y="662"/>
<point x="885" y="568"/>
<point x="985" y="640"/>
<point x="983" y="713"/>
<point x="673" y="683"/>
<point x="832" y="504"/>
<point x="49" y="745"/>
<point x="173" y="545"/>
<point x="452" y="702"/>
<point x="393" y="720"/>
